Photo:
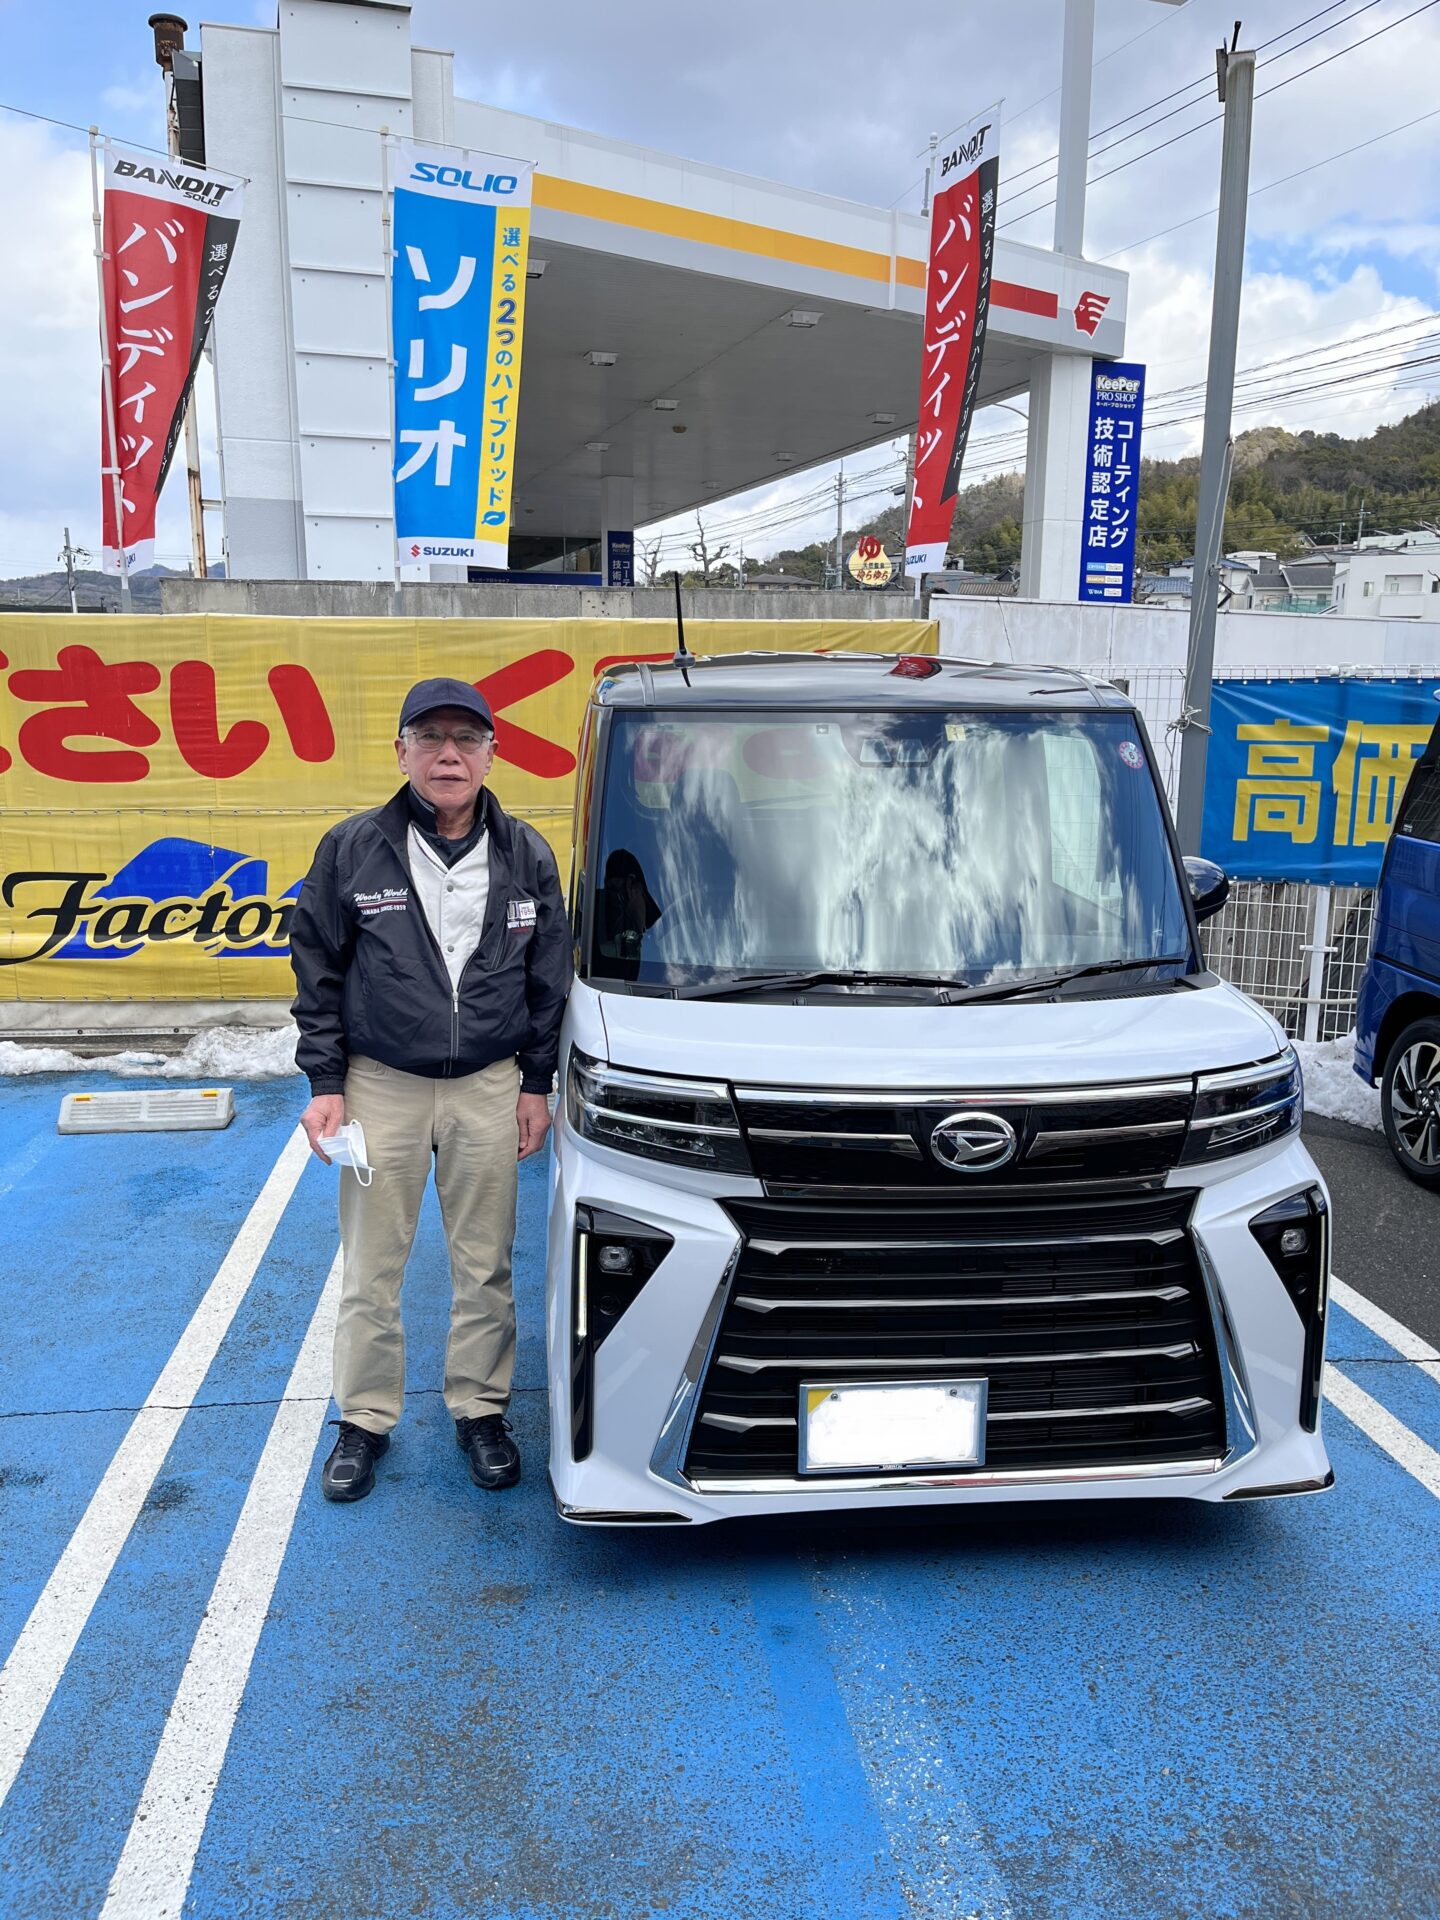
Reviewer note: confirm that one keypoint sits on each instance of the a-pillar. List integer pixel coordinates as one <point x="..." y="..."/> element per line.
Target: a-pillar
<point x="1055" y="477"/>
<point x="617" y="530"/>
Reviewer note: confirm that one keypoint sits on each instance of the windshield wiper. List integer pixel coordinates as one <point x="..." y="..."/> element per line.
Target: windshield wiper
<point x="1012" y="989"/>
<point x="952" y="992"/>
<point x="801" y="978"/>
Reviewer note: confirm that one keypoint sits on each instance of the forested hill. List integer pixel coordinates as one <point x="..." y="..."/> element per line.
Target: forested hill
<point x="1288" y="491"/>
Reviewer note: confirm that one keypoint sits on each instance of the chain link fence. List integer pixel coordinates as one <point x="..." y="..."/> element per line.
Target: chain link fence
<point x="1296" y="947"/>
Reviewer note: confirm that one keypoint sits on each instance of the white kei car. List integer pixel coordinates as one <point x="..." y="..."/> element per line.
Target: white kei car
<point x="907" y="1153"/>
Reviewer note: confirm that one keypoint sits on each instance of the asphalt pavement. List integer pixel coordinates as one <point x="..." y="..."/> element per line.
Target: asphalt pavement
<point x="223" y="1698"/>
<point x="1387" y="1229"/>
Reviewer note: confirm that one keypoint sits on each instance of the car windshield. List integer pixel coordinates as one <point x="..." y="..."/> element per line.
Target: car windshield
<point x="963" y="846"/>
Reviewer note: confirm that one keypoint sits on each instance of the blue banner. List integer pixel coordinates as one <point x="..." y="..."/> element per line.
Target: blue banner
<point x="461" y="245"/>
<point x="1303" y="776"/>
<point x="1112" y="481"/>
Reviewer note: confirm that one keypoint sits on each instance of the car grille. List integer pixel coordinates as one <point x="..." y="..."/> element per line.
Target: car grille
<point x="884" y="1143"/>
<point x="1088" y="1317"/>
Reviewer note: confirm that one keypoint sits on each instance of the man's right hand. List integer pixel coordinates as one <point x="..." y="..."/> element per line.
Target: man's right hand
<point x="323" y="1119"/>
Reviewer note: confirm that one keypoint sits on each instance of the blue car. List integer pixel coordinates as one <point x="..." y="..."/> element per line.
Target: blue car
<point x="1398" y="1017"/>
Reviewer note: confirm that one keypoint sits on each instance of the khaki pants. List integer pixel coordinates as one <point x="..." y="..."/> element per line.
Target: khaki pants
<point x="468" y="1127"/>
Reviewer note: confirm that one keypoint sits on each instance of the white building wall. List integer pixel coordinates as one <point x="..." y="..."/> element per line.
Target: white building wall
<point x="345" y="73"/>
<point x="1361" y="582"/>
<point x="263" y="523"/>
<point x="299" y="110"/>
<point x="1128" y="637"/>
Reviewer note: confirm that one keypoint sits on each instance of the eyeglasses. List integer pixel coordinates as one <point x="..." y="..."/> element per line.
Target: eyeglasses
<point x="466" y="739"/>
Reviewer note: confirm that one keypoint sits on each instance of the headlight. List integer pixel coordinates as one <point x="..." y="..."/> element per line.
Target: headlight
<point x="1237" y="1112"/>
<point x="691" y="1123"/>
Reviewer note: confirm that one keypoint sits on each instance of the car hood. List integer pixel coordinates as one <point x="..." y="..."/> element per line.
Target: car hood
<point x="847" y="1043"/>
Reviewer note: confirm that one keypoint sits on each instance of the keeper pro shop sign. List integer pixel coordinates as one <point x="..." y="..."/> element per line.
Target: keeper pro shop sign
<point x="169" y="232"/>
<point x="957" y="304"/>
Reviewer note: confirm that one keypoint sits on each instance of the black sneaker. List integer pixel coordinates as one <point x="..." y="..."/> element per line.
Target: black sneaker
<point x="349" y="1473"/>
<point x="494" y="1457"/>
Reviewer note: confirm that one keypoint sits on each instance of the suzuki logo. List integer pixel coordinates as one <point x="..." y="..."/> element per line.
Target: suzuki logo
<point x="1090" y="310"/>
<point x="973" y="1142"/>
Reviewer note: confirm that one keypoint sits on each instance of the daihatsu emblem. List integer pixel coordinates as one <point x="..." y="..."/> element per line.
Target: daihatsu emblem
<point x="973" y="1142"/>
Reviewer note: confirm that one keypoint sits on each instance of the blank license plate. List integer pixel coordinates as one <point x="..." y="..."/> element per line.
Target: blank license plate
<point x="884" y="1425"/>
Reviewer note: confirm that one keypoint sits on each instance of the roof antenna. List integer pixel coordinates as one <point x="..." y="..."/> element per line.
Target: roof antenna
<point x="683" y="656"/>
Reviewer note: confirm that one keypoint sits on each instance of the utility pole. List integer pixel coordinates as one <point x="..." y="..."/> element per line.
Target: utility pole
<point x="70" y="554"/>
<point x="840" y="529"/>
<point x="1360" y="533"/>
<point x="169" y="31"/>
<point x="1235" y="76"/>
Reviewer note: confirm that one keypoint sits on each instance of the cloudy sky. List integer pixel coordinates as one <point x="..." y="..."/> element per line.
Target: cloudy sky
<point x="814" y="93"/>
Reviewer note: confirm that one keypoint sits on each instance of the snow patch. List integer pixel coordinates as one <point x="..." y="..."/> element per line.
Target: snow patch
<point x="1333" y="1089"/>
<point x="219" y="1053"/>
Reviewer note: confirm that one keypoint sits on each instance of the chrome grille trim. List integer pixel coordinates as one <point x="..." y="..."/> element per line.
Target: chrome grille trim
<point x="1160" y="1237"/>
<point x="765" y="1303"/>
<point x="1193" y="1403"/>
<point x="937" y="1482"/>
<point x="1044" y="1143"/>
<point x="883" y="1142"/>
<point x="740" y="1363"/>
<point x="949" y="1096"/>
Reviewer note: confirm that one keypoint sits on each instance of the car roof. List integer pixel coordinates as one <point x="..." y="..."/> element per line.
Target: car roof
<point x="865" y="680"/>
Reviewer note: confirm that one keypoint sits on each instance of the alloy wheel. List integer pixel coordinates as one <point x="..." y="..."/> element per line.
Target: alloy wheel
<point x="1415" y="1102"/>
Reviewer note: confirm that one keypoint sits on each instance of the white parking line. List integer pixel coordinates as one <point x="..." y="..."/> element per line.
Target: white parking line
<point x="41" y="1654"/>
<point x="153" y="1875"/>
<point x="1409" y="1345"/>
<point x="1418" y="1459"/>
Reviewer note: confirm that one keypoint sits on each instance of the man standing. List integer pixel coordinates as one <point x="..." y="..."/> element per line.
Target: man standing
<point x="432" y="960"/>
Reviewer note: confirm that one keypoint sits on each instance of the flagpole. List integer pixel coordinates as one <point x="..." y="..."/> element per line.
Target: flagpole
<point x="387" y="216"/>
<point x="107" y="387"/>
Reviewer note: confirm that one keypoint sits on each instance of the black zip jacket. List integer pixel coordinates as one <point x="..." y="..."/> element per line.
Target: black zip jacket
<point x="369" y="972"/>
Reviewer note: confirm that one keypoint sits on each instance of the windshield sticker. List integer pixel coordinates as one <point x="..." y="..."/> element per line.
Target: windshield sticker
<point x="954" y="730"/>
<point x="1131" y="754"/>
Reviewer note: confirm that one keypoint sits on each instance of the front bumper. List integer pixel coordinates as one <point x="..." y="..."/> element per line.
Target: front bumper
<point x="646" y="1377"/>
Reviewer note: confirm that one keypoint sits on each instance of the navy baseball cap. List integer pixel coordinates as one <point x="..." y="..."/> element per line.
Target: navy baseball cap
<point x="425" y="695"/>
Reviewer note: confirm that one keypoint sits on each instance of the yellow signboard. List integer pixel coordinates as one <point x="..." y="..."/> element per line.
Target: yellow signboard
<point x="869" y="563"/>
<point x="164" y="782"/>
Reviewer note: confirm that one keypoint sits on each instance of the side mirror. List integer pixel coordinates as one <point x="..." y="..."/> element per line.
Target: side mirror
<point x="1209" y="885"/>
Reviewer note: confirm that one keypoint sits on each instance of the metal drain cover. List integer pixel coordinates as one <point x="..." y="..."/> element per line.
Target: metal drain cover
<point x="148" y="1110"/>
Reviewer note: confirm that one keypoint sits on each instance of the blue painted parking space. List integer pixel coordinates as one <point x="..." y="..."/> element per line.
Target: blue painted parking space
<point x="458" y="1708"/>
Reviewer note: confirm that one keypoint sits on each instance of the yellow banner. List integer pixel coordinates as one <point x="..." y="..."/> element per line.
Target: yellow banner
<point x="164" y="782"/>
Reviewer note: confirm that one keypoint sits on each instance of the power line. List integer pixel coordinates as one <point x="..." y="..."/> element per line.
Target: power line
<point x="1205" y="80"/>
<point x="1184" y="134"/>
<point x="1283" y="181"/>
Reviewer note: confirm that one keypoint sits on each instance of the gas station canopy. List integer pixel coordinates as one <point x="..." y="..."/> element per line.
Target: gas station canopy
<point x="784" y="325"/>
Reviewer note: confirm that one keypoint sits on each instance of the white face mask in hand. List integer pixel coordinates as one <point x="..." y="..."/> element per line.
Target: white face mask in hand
<point x="347" y="1149"/>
